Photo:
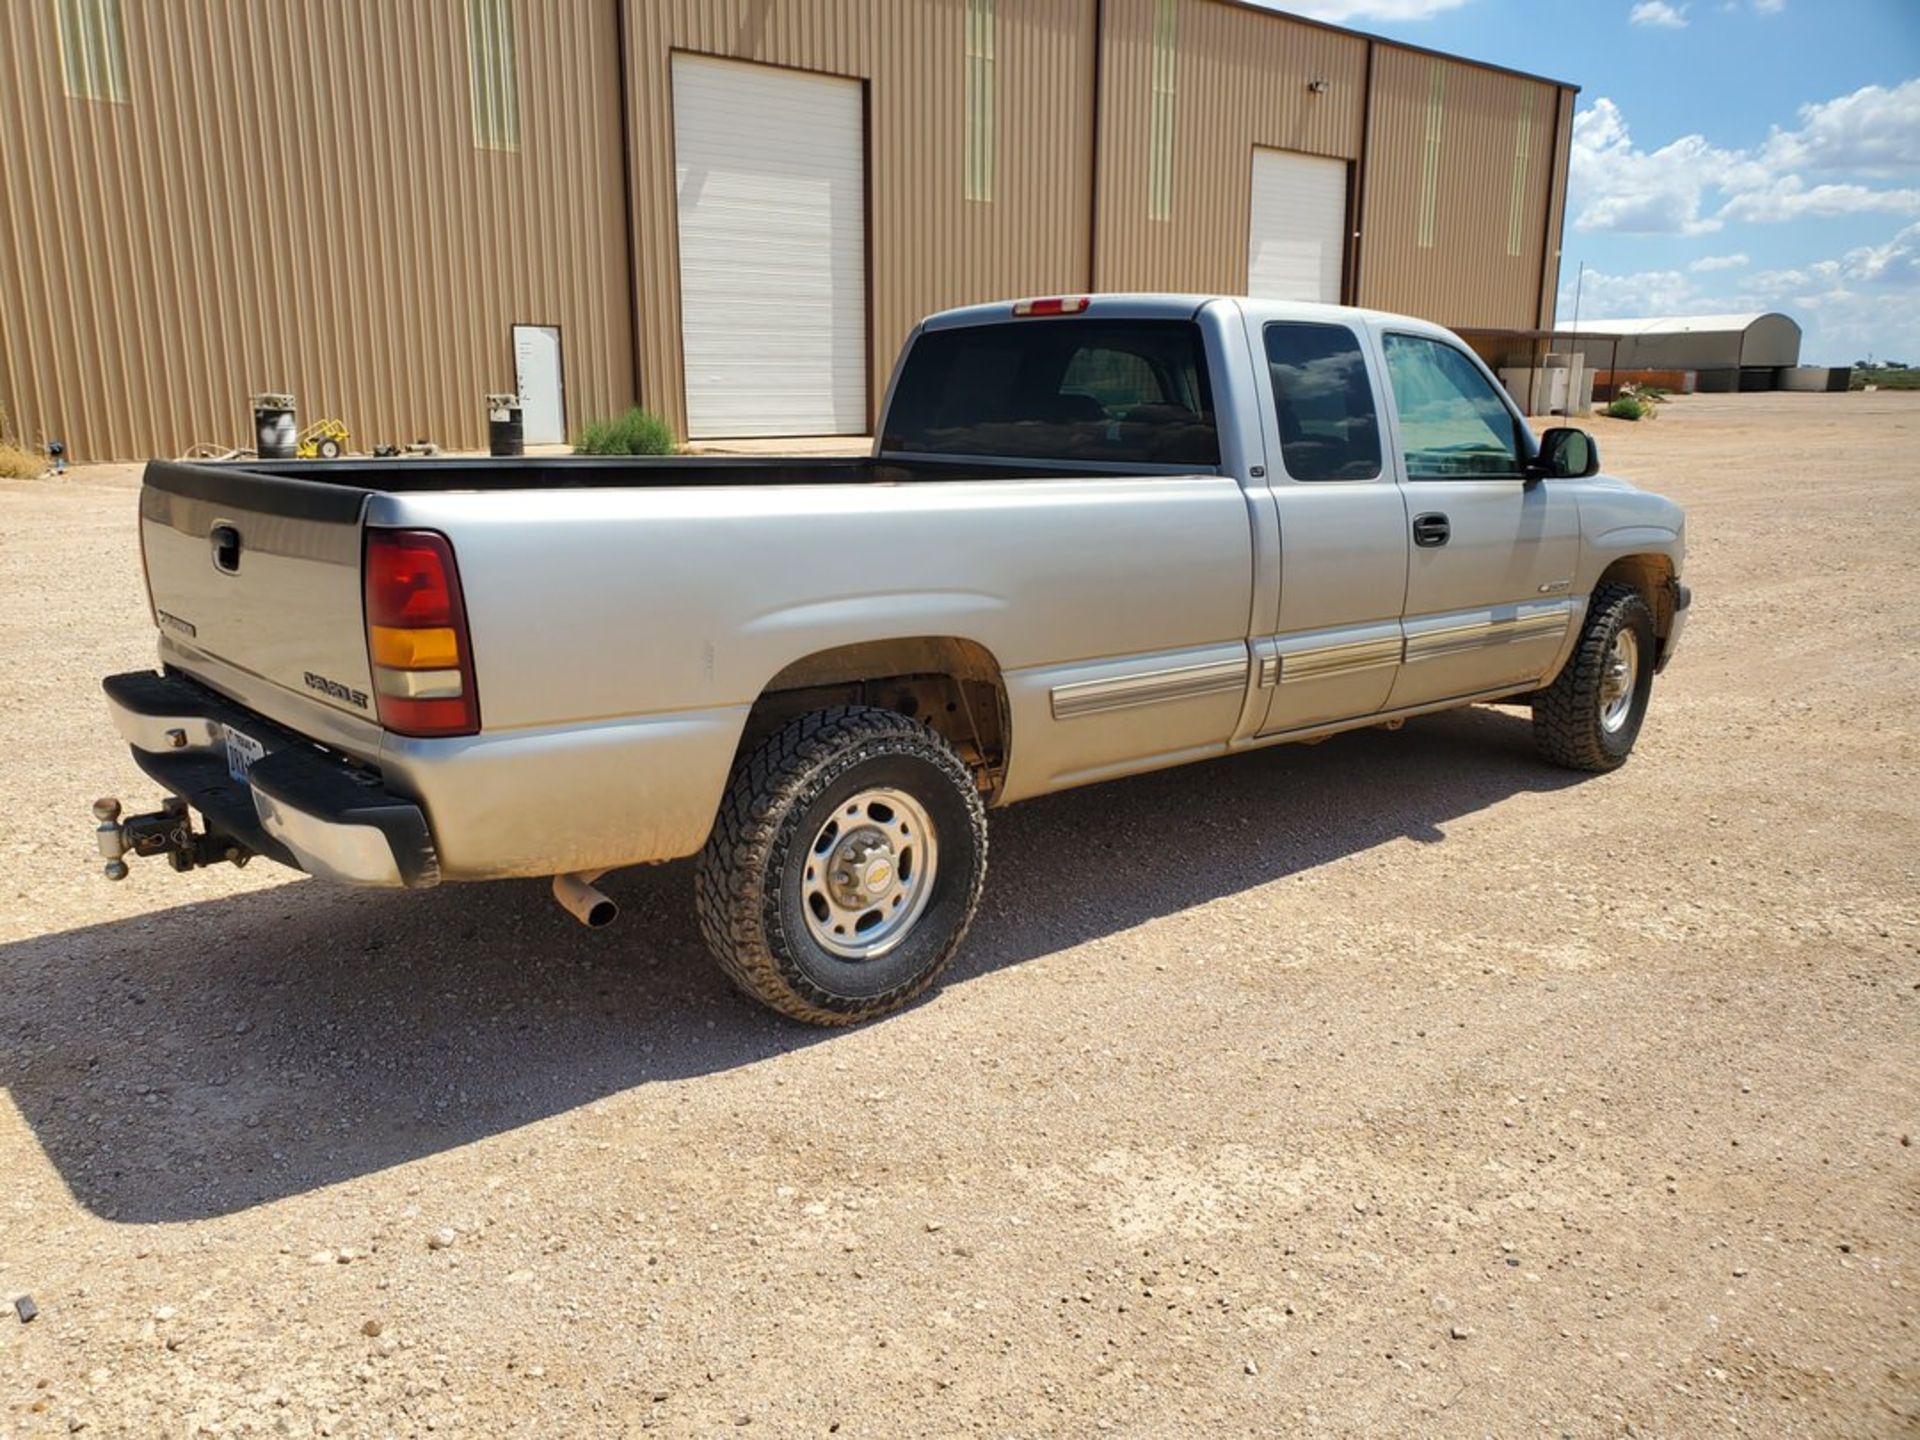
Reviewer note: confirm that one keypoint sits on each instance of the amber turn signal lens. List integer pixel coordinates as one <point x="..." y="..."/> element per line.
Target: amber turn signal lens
<point x="436" y="648"/>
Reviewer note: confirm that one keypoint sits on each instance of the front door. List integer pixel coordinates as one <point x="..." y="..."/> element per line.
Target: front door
<point x="536" y="368"/>
<point x="1491" y="568"/>
<point x="1336" y="644"/>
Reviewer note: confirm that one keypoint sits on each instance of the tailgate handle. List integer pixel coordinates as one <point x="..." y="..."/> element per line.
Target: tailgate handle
<point x="226" y="549"/>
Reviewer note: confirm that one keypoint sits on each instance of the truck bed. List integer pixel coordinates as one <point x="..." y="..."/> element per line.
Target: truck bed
<point x="562" y="472"/>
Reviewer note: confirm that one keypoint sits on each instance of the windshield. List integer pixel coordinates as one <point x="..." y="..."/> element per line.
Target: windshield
<point x="1129" y="391"/>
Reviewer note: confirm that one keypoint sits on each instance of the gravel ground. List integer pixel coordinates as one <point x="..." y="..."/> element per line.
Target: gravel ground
<point x="1397" y="1085"/>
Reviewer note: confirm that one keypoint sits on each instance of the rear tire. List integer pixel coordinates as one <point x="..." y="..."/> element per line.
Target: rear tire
<point x="844" y="866"/>
<point x="1589" y="717"/>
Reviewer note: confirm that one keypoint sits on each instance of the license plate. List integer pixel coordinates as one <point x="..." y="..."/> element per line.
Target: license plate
<point x="242" y="751"/>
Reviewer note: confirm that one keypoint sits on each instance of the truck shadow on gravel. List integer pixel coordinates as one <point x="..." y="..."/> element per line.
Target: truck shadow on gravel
<point x="192" y="1062"/>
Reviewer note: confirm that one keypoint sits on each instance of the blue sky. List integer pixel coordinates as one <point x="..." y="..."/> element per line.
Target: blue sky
<point x="1728" y="155"/>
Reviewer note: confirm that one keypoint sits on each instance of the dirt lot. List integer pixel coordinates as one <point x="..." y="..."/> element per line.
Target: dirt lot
<point x="1398" y="1085"/>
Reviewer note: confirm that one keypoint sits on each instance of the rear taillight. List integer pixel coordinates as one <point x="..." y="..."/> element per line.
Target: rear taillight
<point x="417" y="635"/>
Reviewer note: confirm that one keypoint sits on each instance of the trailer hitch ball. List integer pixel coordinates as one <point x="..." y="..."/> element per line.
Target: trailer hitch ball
<point x="109" y="838"/>
<point x="167" y="831"/>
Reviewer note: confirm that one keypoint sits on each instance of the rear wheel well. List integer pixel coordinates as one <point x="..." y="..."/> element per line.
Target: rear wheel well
<point x="1652" y="576"/>
<point x="951" y="685"/>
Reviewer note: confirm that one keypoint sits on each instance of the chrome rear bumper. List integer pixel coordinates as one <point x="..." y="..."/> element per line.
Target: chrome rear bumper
<point x="300" y="805"/>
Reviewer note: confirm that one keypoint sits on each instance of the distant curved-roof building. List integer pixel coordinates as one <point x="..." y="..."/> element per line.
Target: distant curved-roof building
<point x="1728" y="352"/>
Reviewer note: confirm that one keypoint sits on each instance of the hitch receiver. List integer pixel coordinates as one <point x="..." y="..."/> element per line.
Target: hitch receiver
<point x="167" y="831"/>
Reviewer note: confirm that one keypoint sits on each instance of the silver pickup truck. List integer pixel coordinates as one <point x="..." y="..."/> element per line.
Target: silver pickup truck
<point x="1096" y="536"/>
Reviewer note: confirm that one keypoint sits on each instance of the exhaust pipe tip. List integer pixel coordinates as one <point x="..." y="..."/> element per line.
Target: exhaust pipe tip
<point x="579" y="899"/>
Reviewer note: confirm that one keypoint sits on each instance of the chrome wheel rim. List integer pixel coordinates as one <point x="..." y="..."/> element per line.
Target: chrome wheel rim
<point x="869" y="874"/>
<point x="1617" y="683"/>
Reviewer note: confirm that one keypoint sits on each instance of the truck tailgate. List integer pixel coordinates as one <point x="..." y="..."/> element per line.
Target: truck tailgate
<point x="260" y="574"/>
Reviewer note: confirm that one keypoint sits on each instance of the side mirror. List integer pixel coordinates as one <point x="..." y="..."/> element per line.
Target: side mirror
<point x="1565" y="454"/>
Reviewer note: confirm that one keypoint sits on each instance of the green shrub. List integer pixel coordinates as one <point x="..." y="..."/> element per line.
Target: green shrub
<point x="1627" y="407"/>
<point x="638" y="432"/>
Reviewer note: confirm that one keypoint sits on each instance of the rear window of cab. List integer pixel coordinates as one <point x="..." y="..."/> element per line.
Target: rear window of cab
<point x="1114" y="391"/>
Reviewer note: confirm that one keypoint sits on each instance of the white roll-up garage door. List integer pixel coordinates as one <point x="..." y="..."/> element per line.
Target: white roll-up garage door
<point x="1297" y="236"/>
<point x="772" y="196"/>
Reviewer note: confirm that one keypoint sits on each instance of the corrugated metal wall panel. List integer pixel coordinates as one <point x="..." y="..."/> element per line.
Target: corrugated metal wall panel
<point x="1242" y="80"/>
<point x="1557" y="209"/>
<point x="929" y="247"/>
<point x="292" y="199"/>
<point x="1466" y="276"/>
<point x="319" y="219"/>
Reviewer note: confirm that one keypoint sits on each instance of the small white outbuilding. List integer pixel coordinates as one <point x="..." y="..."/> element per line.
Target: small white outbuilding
<point x="1726" y="352"/>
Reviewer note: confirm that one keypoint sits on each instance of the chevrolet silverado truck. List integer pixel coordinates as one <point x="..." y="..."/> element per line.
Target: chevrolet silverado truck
<point x="1095" y="536"/>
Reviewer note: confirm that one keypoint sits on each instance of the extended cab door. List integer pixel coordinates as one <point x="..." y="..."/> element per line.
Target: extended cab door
<point x="1491" y="567"/>
<point x="1335" y="643"/>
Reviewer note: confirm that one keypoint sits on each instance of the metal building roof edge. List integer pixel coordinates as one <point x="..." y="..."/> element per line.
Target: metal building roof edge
<point x="1371" y="38"/>
<point x="1676" y="324"/>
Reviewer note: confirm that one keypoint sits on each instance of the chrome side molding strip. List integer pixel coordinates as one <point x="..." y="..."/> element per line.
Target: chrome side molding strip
<point x="1531" y="623"/>
<point x="1348" y="658"/>
<point x="1148" y="687"/>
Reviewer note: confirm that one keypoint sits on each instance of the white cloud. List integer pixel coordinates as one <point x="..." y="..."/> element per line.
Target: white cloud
<point x="1649" y="292"/>
<point x="1658" y="13"/>
<point x="1618" y="186"/>
<point x="1345" y="12"/>
<point x="1874" y="131"/>
<point x="1692" y="187"/>
<point x="1867" y="299"/>
<point x="1895" y="263"/>
<point x="1769" y="7"/>
<point x="1717" y="262"/>
<point x="1791" y="198"/>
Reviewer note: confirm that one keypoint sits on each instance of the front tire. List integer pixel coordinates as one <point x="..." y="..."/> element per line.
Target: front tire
<point x="844" y="866"/>
<point x="1589" y="717"/>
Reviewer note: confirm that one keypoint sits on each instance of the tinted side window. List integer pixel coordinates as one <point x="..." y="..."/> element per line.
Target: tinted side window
<point x="1452" y="422"/>
<point x="1058" y="389"/>
<point x="1328" y="428"/>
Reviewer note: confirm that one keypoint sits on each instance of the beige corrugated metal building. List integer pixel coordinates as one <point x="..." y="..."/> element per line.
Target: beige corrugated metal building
<point x="729" y="210"/>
